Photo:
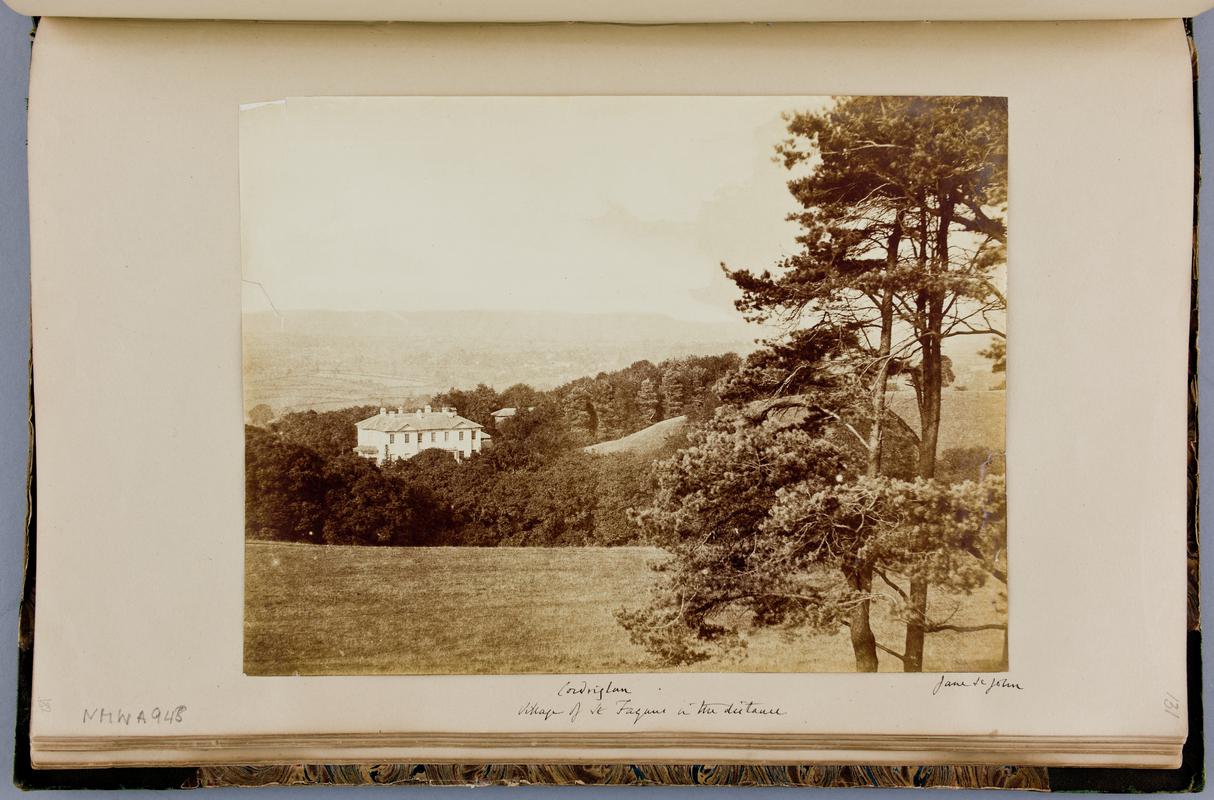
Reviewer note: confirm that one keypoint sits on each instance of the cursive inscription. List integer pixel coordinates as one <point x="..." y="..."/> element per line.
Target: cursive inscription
<point x="596" y="690"/>
<point x="737" y="708"/>
<point x="577" y="701"/>
<point x="978" y="682"/>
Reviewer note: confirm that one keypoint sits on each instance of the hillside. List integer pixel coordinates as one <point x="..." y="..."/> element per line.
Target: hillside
<point x="967" y="419"/>
<point x="643" y="442"/>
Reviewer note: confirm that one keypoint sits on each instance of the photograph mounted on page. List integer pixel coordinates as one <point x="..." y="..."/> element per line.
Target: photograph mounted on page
<point x="624" y="384"/>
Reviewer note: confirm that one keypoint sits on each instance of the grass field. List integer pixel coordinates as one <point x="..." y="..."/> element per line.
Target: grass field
<point x="321" y="610"/>
<point x="967" y="419"/>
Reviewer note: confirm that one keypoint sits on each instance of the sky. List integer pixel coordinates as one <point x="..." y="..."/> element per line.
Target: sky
<point x="585" y="204"/>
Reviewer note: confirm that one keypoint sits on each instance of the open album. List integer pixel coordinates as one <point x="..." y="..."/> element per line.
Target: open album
<point x="796" y="393"/>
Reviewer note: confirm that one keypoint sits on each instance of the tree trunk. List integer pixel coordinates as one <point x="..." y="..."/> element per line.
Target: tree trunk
<point x="863" y="642"/>
<point x="931" y="380"/>
<point x="915" y="626"/>
<point x="883" y="352"/>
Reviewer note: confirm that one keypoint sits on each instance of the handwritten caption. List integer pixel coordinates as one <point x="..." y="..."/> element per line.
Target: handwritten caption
<point x="980" y="683"/>
<point x="155" y="715"/>
<point x="580" y="700"/>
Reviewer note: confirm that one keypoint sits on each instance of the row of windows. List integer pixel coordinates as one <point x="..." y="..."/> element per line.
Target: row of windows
<point x="433" y="437"/>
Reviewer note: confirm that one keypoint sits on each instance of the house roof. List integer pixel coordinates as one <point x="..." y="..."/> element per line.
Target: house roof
<point x="509" y="411"/>
<point x="395" y="421"/>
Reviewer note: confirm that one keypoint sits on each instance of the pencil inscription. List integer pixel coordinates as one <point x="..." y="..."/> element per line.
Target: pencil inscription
<point x="155" y="715"/>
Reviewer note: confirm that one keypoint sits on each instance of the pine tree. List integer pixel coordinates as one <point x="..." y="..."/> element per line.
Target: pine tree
<point x="902" y="229"/>
<point x="579" y="412"/>
<point x="674" y="394"/>
<point x="647" y="402"/>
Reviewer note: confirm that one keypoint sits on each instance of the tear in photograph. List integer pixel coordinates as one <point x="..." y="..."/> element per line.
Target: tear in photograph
<point x="624" y="384"/>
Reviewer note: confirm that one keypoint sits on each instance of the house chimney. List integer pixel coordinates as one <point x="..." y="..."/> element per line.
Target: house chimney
<point x="427" y="409"/>
<point x="383" y="410"/>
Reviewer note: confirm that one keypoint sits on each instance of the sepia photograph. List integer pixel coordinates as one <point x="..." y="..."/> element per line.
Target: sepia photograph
<point x="573" y="385"/>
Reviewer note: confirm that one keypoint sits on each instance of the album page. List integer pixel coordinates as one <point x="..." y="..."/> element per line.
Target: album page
<point x="761" y="393"/>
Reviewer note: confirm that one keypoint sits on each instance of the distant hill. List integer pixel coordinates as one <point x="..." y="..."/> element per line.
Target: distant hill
<point x="327" y="359"/>
<point x="643" y="442"/>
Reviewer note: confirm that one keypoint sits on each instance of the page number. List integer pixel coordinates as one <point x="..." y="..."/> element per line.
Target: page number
<point x="44" y="704"/>
<point x="1171" y="705"/>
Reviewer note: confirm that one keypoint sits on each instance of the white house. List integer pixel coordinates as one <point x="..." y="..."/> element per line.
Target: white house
<point x="403" y="434"/>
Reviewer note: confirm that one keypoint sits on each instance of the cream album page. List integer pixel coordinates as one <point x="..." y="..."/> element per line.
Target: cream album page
<point x="781" y="392"/>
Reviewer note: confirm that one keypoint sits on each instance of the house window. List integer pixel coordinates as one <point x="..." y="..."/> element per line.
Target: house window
<point x="391" y="438"/>
<point x="406" y="438"/>
<point x="446" y="436"/>
<point x="474" y="436"/>
<point x="461" y="436"/>
<point x="433" y="436"/>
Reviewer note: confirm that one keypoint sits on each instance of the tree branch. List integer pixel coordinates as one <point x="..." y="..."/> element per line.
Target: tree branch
<point x="986" y="563"/>
<point x="965" y="628"/>
<point x="881" y="574"/>
<point x="900" y="656"/>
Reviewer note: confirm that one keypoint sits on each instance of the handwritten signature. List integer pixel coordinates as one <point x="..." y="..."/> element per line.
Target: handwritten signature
<point x="986" y="685"/>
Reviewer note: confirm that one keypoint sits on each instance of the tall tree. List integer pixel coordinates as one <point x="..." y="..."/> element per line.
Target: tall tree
<point x="674" y="391"/>
<point x="902" y="243"/>
<point x="580" y="412"/>
<point x="647" y="402"/>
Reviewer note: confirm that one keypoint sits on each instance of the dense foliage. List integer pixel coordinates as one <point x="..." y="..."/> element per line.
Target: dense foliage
<point x="614" y="404"/>
<point x="711" y="504"/>
<point x="610" y="404"/>
<point x="534" y="486"/>
<point x="293" y="493"/>
<point x="900" y="206"/>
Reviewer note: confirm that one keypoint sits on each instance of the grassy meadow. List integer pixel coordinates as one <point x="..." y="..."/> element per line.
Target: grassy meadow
<point x="330" y="610"/>
<point x="967" y="419"/>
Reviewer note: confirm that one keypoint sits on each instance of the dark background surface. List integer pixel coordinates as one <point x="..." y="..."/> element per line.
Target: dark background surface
<point x="14" y="412"/>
